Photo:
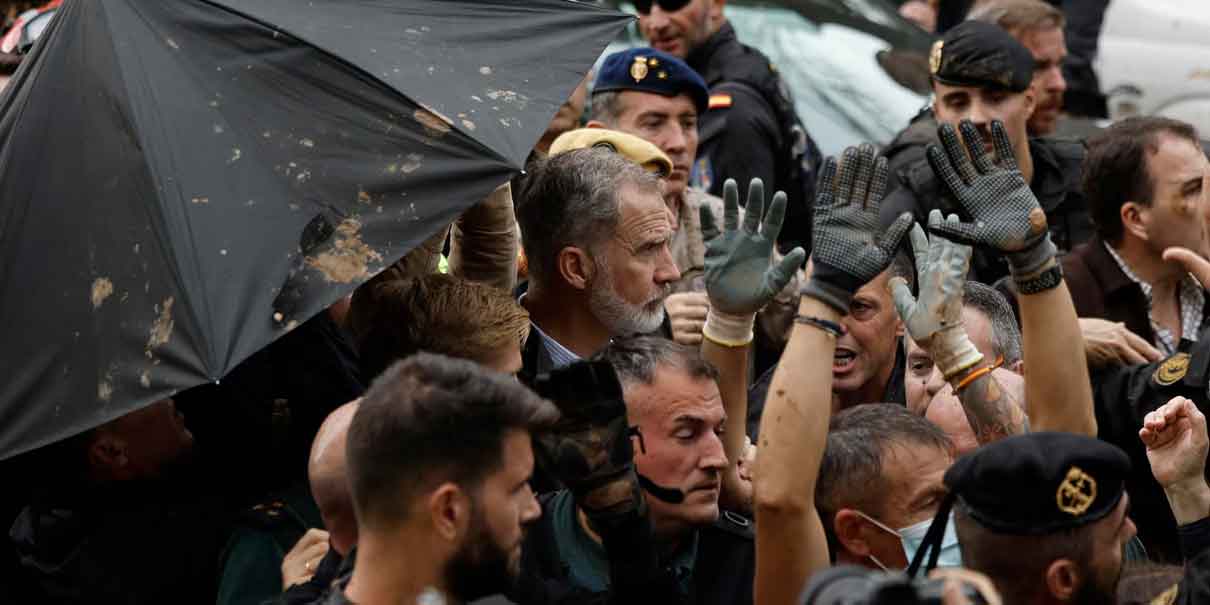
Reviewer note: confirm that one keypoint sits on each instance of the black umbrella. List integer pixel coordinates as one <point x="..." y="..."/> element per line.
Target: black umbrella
<point x="182" y="181"/>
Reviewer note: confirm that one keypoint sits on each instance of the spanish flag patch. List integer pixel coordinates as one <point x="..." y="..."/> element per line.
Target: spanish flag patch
<point x="720" y="101"/>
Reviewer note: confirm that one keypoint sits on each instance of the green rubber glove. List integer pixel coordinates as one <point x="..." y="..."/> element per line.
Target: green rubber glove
<point x="740" y="275"/>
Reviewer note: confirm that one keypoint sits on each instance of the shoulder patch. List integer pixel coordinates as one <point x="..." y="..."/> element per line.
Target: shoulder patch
<point x="720" y="101"/>
<point x="1172" y="369"/>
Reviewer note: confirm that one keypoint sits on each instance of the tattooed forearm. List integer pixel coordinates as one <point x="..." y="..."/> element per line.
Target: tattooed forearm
<point x="991" y="411"/>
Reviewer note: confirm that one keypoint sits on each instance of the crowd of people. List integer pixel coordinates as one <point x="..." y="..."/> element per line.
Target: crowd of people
<point x="684" y="359"/>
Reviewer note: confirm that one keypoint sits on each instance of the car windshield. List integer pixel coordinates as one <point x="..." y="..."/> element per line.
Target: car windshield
<point x="857" y="71"/>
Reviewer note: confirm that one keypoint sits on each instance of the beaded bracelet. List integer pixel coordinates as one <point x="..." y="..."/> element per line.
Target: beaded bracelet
<point x="830" y="327"/>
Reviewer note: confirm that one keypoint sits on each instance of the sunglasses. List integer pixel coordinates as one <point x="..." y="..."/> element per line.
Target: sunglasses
<point x="668" y="6"/>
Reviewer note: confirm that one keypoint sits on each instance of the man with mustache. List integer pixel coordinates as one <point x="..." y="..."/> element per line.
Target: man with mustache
<point x="596" y="232"/>
<point x="981" y="73"/>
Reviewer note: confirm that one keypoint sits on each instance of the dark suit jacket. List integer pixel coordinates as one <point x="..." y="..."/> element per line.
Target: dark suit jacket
<point x="1100" y="289"/>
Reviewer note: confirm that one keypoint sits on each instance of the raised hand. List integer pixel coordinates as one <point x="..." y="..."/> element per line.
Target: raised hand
<point x="1005" y="213"/>
<point x="740" y="278"/>
<point x="1175" y="436"/>
<point x="934" y="320"/>
<point x="849" y="248"/>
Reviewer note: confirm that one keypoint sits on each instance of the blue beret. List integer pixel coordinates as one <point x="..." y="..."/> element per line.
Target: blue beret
<point x="649" y="70"/>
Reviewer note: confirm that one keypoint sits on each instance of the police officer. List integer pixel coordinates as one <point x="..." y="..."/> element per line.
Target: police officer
<point x="751" y="129"/>
<point x="981" y="73"/>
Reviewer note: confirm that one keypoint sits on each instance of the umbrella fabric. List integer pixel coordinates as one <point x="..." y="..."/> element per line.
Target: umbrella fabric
<point x="183" y="181"/>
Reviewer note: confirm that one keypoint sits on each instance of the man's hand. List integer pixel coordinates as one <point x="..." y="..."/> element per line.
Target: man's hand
<point x="300" y="563"/>
<point x="1175" y="436"/>
<point x="1192" y="262"/>
<point x="955" y="577"/>
<point x="687" y="314"/>
<point x="1110" y="343"/>
<point x="1005" y="213"/>
<point x="935" y="320"/>
<point x="739" y="277"/>
<point x="848" y="251"/>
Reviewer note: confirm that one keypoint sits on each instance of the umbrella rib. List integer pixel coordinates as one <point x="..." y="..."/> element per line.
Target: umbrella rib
<point x="362" y="72"/>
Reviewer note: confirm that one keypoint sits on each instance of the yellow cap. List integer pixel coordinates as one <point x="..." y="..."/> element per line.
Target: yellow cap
<point x="629" y="146"/>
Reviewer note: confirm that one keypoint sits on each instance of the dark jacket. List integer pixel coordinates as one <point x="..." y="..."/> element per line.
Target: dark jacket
<point x="756" y="133"/>
<point x="1123" y="395"/>
<point x="723" y="570"/>
<point x="1056" y="183"/>
<point x="1100" y="289"/>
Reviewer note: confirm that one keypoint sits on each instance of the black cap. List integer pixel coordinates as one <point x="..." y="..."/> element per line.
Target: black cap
<point x="650" y="70"/>
<point x="983" y="55"/>
<point x="1039" y="483"/>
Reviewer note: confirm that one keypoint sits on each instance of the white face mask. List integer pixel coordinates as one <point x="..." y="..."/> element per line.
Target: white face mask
<point x="912" y="537"/>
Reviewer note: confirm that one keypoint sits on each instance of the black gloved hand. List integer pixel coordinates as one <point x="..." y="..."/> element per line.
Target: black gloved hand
<point x="1006" y="214"/>
<point x="589" y="449"/>
<point x="848" y="251"/>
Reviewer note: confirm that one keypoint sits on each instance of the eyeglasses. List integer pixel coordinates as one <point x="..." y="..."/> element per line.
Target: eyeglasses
<point x="668" y="6"/>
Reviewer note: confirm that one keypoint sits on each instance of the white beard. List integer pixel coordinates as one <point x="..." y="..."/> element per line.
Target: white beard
<point x="618" y="316"/>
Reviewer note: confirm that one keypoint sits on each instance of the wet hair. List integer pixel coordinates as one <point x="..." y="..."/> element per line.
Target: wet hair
<point x="859" y="438"/>
<point x="1006" y="335"/>
<point x="428" y="420"/>
<point x="437" y="313"/>
<point x="571" y="199"/>
<point x="1116" y="168"/>
<point x="636" y="359"/>
<point x="1020" y="579"/>
<point x="1019" y="16"/>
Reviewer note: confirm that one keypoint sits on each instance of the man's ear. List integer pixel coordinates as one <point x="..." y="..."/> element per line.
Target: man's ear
<point x="1031" y="99"/>
<point x="1133" y="220"/>
<point x="449" y="509"/>
<point x="1063" y="579"/>
<point x="850" y="532"/>
<point x="108" y="452"/>
<point x="576" y="267"/>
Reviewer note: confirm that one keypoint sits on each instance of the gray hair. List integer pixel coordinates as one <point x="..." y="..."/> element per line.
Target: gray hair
<point x="859" y="438"/>
<point x="606" y="107"/>
<point x="636" y="359"/>
<point x="1006" y="335"/>
<point x="571" y="199"/>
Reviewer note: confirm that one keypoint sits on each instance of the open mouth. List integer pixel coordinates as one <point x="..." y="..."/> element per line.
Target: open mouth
<point x="843" y="360"/>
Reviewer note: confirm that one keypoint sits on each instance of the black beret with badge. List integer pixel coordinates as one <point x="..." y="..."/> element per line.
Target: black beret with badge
<point x="653" y="71"/>
<point x="983" y="55"/>
<point x="1039" y="483"/>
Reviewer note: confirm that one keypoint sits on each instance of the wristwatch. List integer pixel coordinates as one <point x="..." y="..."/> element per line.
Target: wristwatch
<point x="1046" y="280"/>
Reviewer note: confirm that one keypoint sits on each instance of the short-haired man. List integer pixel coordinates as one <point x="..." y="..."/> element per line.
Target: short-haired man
<point x="981" y="73"/>
<point x="439" y="461"/>
<point x="442" y="314"/>
<point x="672" y="398"/>
<point x="880" y="485"/>
<point x="1145" y="181"/>
<point x="1039" y="27"/>
<point x="595" y="231"/>
<point x="751" y="127"/>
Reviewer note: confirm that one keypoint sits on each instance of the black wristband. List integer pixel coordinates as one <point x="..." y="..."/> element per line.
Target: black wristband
<point x="830" y="327"/>
<point x="1048" y="279"/>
